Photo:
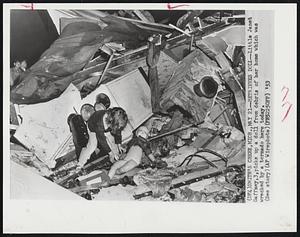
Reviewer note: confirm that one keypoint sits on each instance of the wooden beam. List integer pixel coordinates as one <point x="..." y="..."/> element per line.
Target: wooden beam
<point x="166" y="27"/>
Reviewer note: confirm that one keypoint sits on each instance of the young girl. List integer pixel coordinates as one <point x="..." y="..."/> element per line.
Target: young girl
<point x="133" y="158"/>
<point x="113" y="120"/>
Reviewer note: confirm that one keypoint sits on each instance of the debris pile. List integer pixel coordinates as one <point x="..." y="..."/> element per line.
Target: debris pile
<point x="190" y="147"/>
<point x="224" y="188"/>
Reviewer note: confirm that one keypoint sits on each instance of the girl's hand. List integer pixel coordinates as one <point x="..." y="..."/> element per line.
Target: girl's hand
<point x="121" y="149"/>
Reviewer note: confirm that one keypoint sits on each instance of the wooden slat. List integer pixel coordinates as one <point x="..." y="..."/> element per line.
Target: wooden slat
<point x="165" y="27"/>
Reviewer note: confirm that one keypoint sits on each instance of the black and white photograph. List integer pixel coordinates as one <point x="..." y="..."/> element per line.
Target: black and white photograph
<point x="145" y="109"/>
<point x="130" y="104"/>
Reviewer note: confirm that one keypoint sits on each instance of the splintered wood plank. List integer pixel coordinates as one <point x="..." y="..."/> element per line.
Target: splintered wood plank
<point x="238" y="95"/>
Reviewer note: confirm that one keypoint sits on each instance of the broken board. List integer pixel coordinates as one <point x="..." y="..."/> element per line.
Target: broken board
<point x="43" y="127"/>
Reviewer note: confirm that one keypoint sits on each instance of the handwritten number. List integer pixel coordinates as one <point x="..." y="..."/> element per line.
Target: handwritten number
<point x="30" y="5"/>
<point x="286" y="103"/>
<point x="170" y="7"/>
<point x="286" y="93"/>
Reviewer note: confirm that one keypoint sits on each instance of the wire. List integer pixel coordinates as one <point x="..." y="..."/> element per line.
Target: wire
<point x="212" y="152"/>
<point x="189" y="157"/>
<point x="209" y="162"/>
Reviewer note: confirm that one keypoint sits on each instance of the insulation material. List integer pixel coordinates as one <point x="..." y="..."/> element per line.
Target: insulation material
<point x="44" y="126"/>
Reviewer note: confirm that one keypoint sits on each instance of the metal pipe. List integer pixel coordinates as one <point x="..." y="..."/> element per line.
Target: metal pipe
<point x="105" y="69"/>
<point x="173" y="131"/>
<point x="180" y="30"/>
<point x="199" y="22"/>
<point x="191" y="43"/>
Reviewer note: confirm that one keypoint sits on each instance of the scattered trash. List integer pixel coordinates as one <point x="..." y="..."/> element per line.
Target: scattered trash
<point x="159" y="181"/>
<point x="115" y="193"/>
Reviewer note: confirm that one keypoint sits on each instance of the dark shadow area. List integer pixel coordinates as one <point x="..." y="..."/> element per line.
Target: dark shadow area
<point x="31" y="33"/>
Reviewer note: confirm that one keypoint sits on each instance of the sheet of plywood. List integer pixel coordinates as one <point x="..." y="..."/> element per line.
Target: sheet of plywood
<point x="44" y="126"/>
<point x="132" y="93"/>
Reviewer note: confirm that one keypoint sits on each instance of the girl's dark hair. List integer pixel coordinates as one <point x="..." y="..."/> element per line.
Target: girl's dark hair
<point x="103" y="99"/>
<point x="117" y="119"/>
<point x="87" y="108"/>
